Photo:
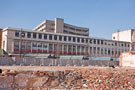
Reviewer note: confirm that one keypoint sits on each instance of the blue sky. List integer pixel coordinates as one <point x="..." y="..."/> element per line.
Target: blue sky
<point x="102" y="17"/>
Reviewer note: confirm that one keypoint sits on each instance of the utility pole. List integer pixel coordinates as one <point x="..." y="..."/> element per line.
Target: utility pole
<point x="20" y="42"/>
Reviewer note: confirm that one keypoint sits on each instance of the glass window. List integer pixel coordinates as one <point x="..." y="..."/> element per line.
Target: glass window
<point x="98" y="41"/>
<point x="69" y="38"/>
<point x="86" y="40"/>
<point x="28" y="35"/>
<point x="82" y="40"/>
<point x="94" y="41"/>
<point x="16" y="34"/>
<point x="78" y="39"/>
<point x="50" y="37"/>
<point x="102" y="42"/>
<point x="45" y="36"/>
<point x="55" y="37"/>
<point x="60" y="38"/>
<point x="40" y="36"/>
<point x="65" y="38"/>
<point x="34" y="35"/>
<point x="122" y="44"/>
<point x="74" y="39"/>
<point x="90" y="40"/>
<point x="115" y="43"/>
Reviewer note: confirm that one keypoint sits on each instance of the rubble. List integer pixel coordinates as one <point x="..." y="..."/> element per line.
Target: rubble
<point x="75" y="79"/>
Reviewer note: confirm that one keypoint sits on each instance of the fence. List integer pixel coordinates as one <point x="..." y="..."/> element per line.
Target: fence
<point x="54" y="62"/>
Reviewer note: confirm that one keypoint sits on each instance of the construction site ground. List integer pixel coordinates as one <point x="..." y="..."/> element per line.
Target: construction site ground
<point x="66" y="78"/>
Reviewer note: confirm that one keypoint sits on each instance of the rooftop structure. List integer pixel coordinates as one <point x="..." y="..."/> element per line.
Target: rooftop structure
<point x="58" y="26"/>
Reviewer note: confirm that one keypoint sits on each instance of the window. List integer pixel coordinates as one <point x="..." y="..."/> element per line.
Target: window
<point x="115" y="43"/>
<point x="60" y="38"/>
<point x="78" y="39"/>
<point x="65" y="38"/>
<point x="82" y="40"/>
<point x="98" y="41"/>
<point x="94" y="41"/>
<point x="86" y="40"/>
<point x="28" y="35"/>
<point x="90" y="40"/>
<point x="69" y="38"/>
<point x="16" y="34"/>
<point x="122" y="44"/>
<point x="74" y="39"/>
<point x="34" y="35"/>
<point x="55" y="37"/>
<point x="22" y="34"/>
<point x="40" y="36"/>
<point x="45" y="36"/>
<point x="50" y="37"/>
<point x="102" y="42"/>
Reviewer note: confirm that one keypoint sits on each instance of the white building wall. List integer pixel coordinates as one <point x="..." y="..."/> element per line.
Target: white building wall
<point x="122" y="36"/>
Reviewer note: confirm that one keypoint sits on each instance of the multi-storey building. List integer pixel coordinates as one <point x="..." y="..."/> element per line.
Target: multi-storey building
<point x="58" y="26"/>
<point x="58" y="42"/>
<point x="126" y="35"/>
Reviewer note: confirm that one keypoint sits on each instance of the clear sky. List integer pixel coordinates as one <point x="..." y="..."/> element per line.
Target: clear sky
<point x="102" y="17"/>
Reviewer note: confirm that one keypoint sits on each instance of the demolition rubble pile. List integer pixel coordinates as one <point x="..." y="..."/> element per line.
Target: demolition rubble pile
<point x="76" y="78"/>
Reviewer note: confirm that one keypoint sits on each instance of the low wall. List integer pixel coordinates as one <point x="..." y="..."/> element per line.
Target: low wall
<point x="54" y="62"/>
<point x="127" y="59"/>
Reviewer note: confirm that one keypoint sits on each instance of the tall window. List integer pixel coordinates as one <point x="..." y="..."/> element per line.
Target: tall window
<point x="45" y="36"/>
<point x="78" y="39"/>
<point x="16" y="34"/>
<point x="55" y="37"/>
<point x="65" y="38"/>
<point x="40" y="36"/>
<point x="60" y="38"/>
<point x="82" y="40"/>
<point x="34" y="35"/>
<point x="69" y="38"/>
<point x="28" y="35"/>
<point x="50" y="37"/>
<point x="94" y="41"/>
<point x="74" y="39"/>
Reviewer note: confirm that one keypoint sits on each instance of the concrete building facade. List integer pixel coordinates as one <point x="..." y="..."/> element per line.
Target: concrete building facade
<point x="58" y="26"/>
<point x="59" y="38"/>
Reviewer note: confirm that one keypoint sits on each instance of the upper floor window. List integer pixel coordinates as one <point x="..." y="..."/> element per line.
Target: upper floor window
<point x="50" y="37"/>
<point x="28" y="35"/>
<point x="55" y="37"/>
<point x="65" y="38"/>
<point x="98" y="41"/>
<point x="78" y="39"/>
<point x="90" y="40"/>
<point x="34" y="35"/>
<point x="45" y="36"/>
<point x="102" y="41"/>
<point x="86" y="40"/>
<point x="16" y="34"/>
<point x="74" y="39"/>
<point x="40" y="36"/>
<point x="82" y="40"/>
<point x="60" y="38"/>
<point x="94" y="41"/>
<point x="69" y="38"/>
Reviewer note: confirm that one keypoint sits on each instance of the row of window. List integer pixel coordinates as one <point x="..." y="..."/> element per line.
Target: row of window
<point x="68" y="38"/>
<point x="51" y="37"/>
<point x="95" y="41"/>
